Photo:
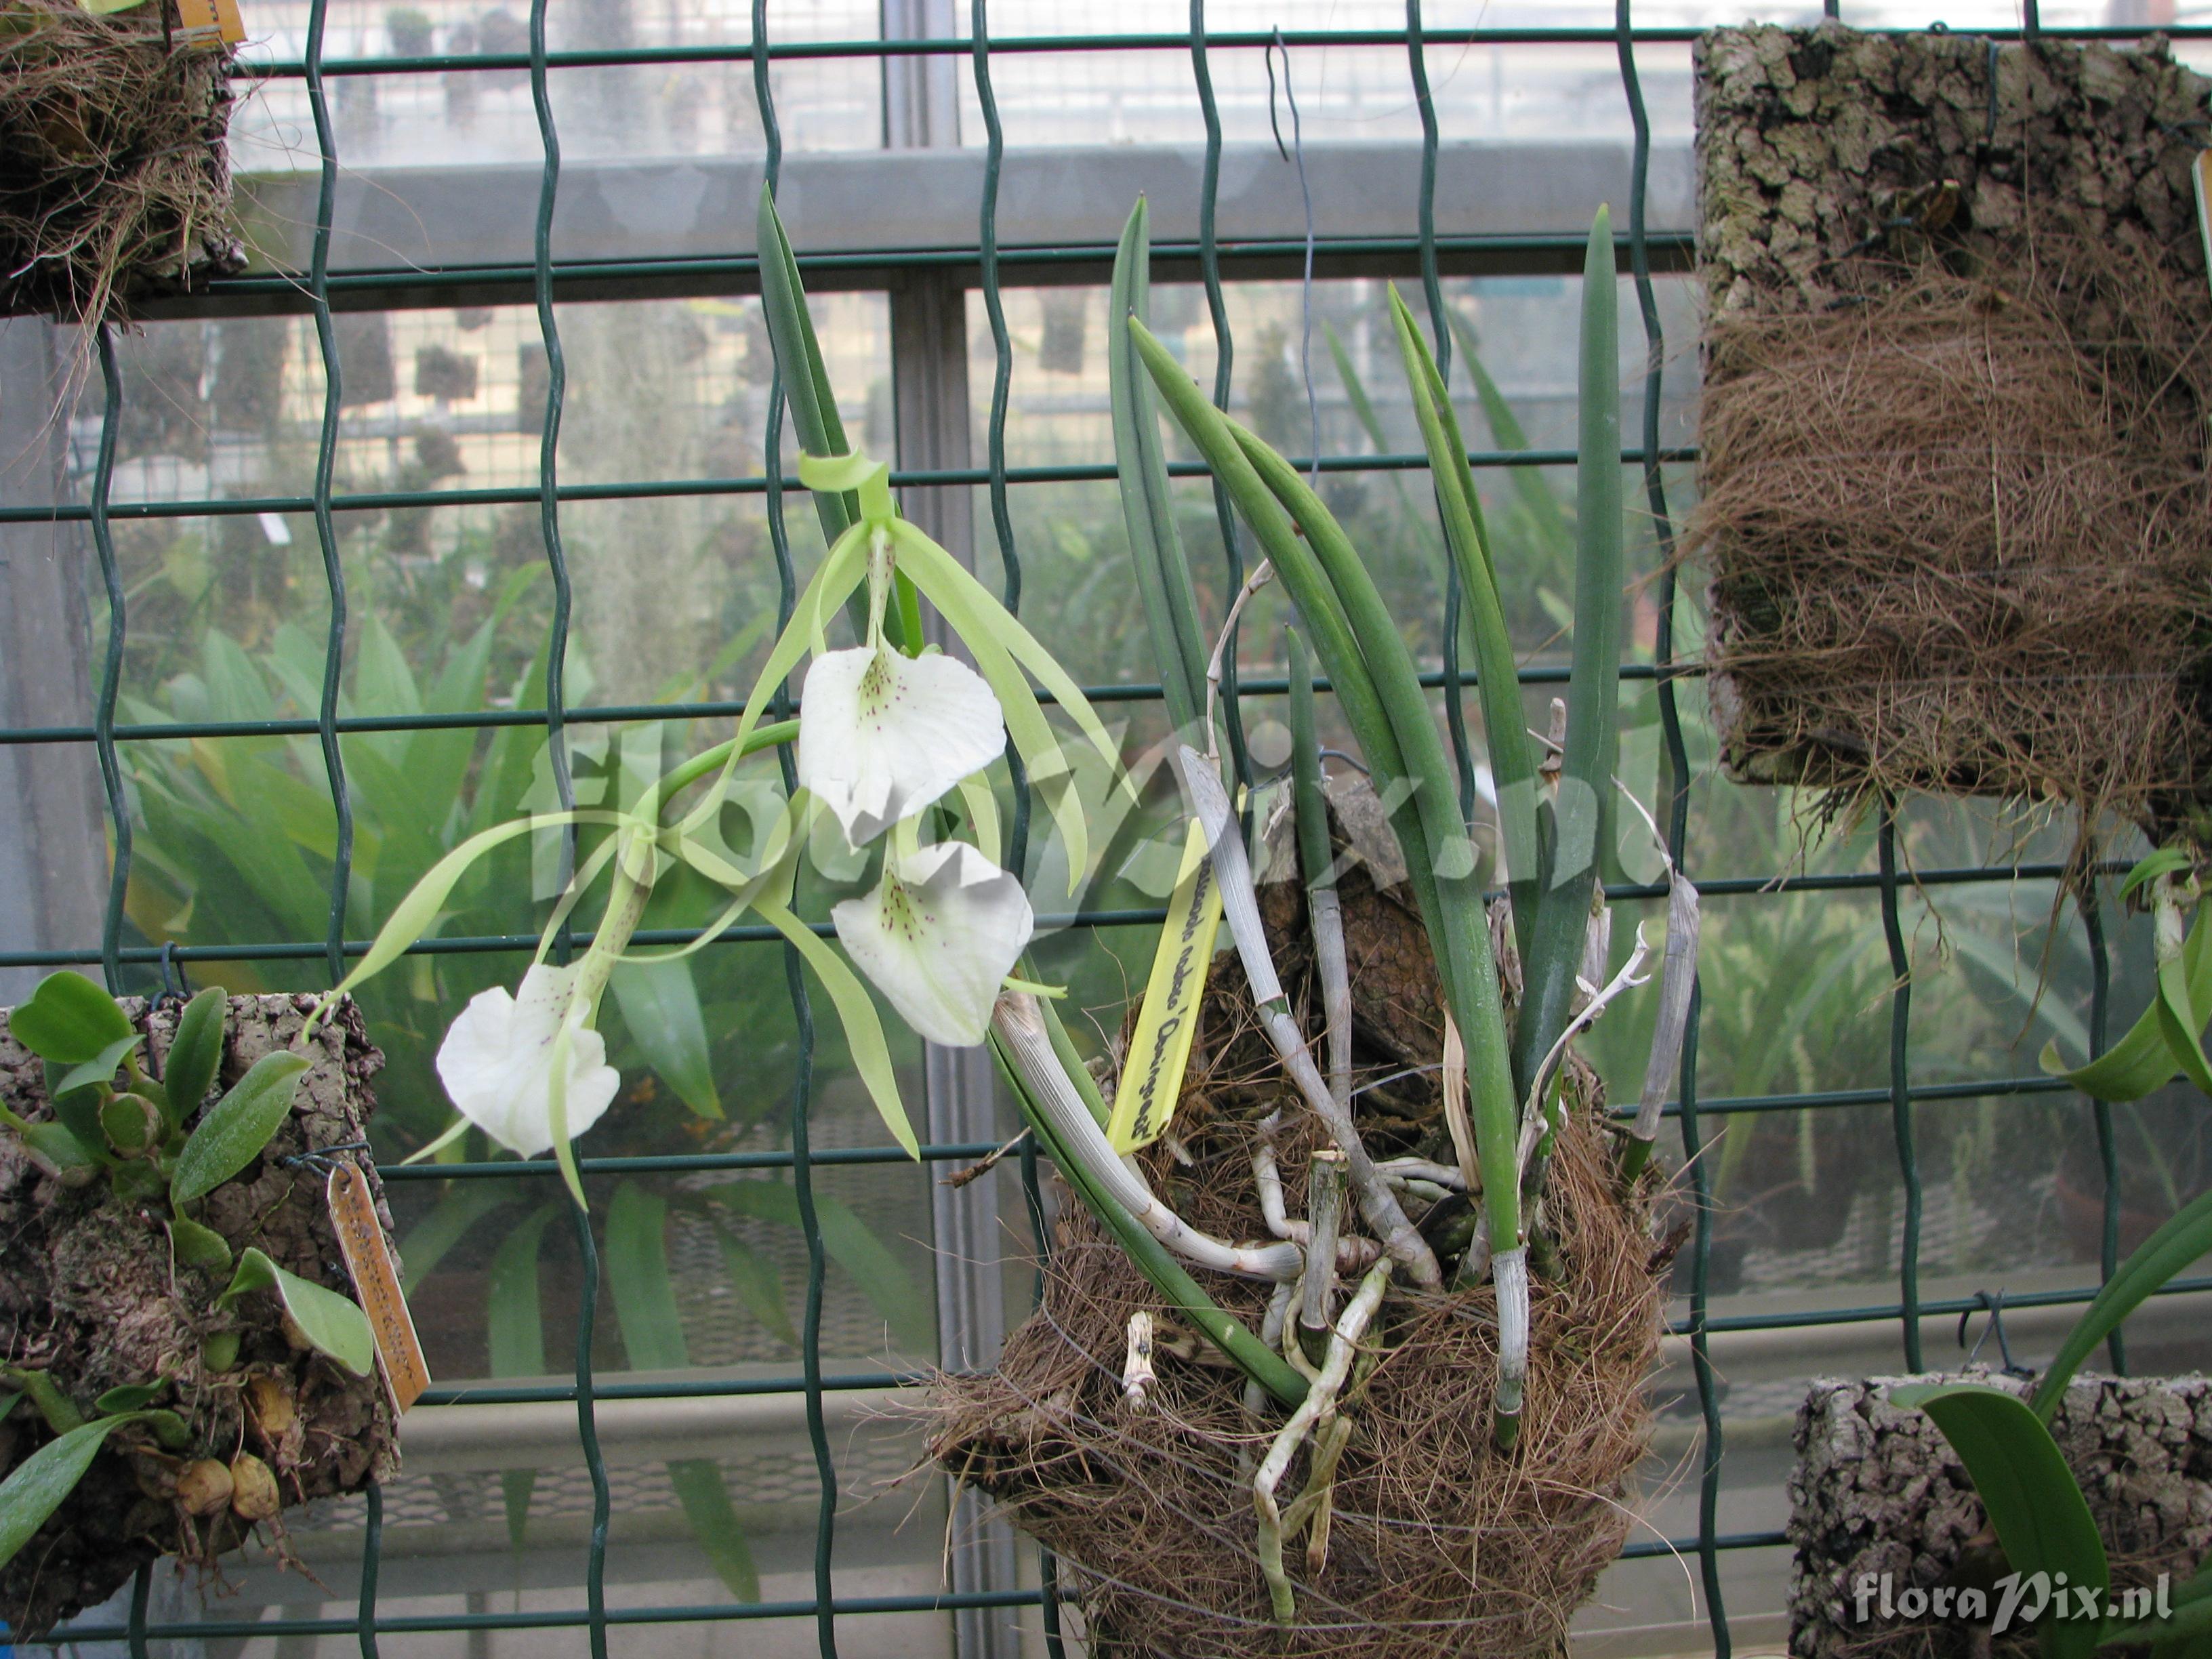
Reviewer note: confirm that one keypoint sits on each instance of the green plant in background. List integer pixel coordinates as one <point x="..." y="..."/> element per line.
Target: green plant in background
<point x="2036" y="1509"/>
<point x="148" y="1140"/>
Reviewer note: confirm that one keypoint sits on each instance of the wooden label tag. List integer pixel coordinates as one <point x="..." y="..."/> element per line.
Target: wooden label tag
<point x="360" y="1238"/>
<point x="1152" y="1076"/>
<point x="211" y="25"/>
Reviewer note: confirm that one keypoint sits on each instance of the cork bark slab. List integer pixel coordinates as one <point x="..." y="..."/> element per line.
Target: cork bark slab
<point x="89" y="1294"/>
<point x="1877" y="1489"/>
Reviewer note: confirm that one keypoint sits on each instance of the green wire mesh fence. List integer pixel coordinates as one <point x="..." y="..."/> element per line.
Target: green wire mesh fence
<point x="1420" y="255"/>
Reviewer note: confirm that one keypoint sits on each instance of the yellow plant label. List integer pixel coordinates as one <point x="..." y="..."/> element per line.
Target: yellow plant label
<point x="1152" y="1076"/>
<point x="360" y="1240"/>
<point x="207" y="24"/>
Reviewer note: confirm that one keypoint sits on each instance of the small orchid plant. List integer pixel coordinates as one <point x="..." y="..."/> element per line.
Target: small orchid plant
<point x="888" y="729"/>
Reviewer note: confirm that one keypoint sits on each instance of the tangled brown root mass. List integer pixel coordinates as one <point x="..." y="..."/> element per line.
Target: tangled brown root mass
<point x="1439" y="1545"/>
<point x="1954" y="498"/>
<point x="113" y="181"/>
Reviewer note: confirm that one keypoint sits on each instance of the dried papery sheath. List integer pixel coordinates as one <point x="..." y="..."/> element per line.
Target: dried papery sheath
<point x="1678" y="976"/>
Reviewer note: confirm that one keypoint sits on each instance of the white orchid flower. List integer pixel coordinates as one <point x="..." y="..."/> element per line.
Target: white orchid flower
<point x="885" y="735"/>
<point x="503" y="1059"/>
<point x="939" y="935"/>
<point x="1006" y="656"/>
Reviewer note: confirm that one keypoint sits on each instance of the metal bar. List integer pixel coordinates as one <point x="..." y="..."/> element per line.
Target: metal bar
<point x="802" y="1008"/>
<point x="1247" y="41"/>
<point x="2108" y="1156"/>
<point x="111" y="672"/>
<point x="904" y="478"/>
<point x="1615" y="892"/>
<point x="326" y="449"/>
<point x="1900" y="1090"/>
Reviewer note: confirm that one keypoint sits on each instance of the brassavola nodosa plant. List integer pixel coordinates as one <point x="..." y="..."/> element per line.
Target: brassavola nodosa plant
<point x="1549" y="837"/>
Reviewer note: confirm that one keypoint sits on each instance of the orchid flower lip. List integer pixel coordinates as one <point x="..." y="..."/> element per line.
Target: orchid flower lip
<point x="498" y="1059"/>
<point x="938" y="936"/>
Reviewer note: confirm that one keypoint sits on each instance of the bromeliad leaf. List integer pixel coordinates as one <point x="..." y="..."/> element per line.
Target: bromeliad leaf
<point x="188" y="1070"/>
<point x="237" y="1127"/>
<point x="48" y="1476"/>
<point x="2041" y="1521"/>
<point x="332" y="1324"/>
<point x="69" y="1020"/>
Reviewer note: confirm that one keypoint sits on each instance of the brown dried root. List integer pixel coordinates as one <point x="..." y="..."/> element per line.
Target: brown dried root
<point x="1959" y="532"/>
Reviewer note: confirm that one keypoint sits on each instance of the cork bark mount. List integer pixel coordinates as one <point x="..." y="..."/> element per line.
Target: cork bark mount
<point x="1953" y="500"/>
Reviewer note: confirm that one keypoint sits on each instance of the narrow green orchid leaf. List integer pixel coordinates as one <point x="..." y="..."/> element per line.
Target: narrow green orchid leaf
<point x="2042" y="1524"/>
<point x="68" y="1020"/>
<point x="856" y="1010"/>
<point x="2140" y="1061"/>
<point x="237" y="1127"/>
<point x="813" y="405"/>
<point x="2185" y="1237"/>
<point x="1584" y="810"/>
<point x="514" y="1327"/>
<point x="2185" y="1631"/>
<point x="195" y="1056"/>
<point x="333" y="1325"/>
<point x="200" y="1246"/>
<point x="1512" y="759"/>
<point x="806" y="389"/>
<point x="45" y="1479"/>
<point x="99" y="1069"/>
<point x="2163" y="861"/>
<point x="1179" y="646"/>
<point x="1071" y="1061"/>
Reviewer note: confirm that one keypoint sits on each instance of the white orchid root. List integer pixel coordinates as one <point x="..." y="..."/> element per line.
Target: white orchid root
<point x="1509" y="1272"/>
<point x="1317" y="1412"/>
<point x="1137" y="1374"/>
<point x="1240" y="909"/>
<point x="1021" y="1028"/>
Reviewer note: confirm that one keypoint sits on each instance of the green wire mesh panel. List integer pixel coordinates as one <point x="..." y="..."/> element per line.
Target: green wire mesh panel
<point x="358" y="744"/>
